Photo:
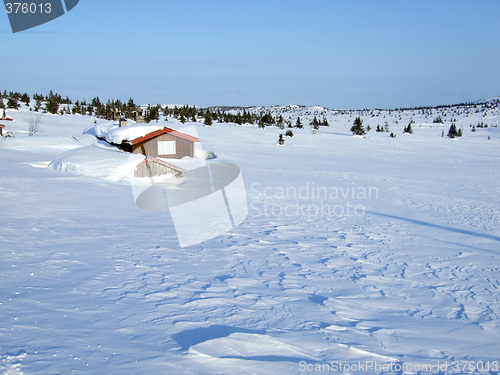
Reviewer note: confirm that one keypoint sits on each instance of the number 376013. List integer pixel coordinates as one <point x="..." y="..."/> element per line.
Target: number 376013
<point x="28" y="8"/>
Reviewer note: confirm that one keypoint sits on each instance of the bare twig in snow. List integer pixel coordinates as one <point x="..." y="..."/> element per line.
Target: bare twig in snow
<point x="34" y="125"/>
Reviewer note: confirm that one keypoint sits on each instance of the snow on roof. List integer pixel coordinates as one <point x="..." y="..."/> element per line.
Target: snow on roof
<point x="130" y="132"/>
<point x="134" y="133"/>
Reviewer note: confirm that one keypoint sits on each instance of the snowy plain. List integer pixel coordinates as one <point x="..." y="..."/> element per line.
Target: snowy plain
<point x="356" y="250"/>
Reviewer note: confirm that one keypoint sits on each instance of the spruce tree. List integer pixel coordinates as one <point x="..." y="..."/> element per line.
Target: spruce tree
<point x="452" y="132"/>
<point x="281" y="122"/>
<point x="13" y="102"/>
<point x="298" y="124"/>
<point x="166" y="112"/>
<point x="358" y="128"/>
<point x="315" y="123"/>
<point x="208" y="118"/>
<point x="25" y="99"/>
<point x="239" y="119"/>
<point x="52" y="105"/>
<point x="408" y="129"/>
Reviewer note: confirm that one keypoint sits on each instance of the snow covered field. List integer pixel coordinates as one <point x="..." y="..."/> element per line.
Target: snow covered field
<point x="356" y="252"/>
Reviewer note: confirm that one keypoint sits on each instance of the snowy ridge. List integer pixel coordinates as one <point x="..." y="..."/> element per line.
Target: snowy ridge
<point x="466" y="112"/>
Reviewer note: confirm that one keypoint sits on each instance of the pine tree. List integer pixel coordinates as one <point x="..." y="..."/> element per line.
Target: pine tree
<point x="281" y="140"/>
<point x="13" y="102"/>
<point x="452" y="132"/>
<point x="239" y="119"/>
<point x="281" y="122"/>
<point x="25" y="99"/>
<point x="408" y="129"/>
<point x="314" y="123"/>
<point x="298" y="124"/>
<point x="96" y="102"/>
<point x="52" y="105"/>
<point x="358" y="128"/>
<point x="208" y="118"/>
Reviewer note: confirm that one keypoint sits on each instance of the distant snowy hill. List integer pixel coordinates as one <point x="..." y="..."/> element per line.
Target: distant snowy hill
<point x="469" y="117"/>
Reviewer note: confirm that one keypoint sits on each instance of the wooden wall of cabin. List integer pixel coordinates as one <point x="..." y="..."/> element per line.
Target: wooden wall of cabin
<point x="183" y="147"/>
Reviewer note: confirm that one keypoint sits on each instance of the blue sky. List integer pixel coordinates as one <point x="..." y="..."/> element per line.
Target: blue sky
<point x="339" y="54"/>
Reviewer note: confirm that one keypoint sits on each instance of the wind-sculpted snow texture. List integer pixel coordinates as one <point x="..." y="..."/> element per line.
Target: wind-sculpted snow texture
<point x="355" y="250"/>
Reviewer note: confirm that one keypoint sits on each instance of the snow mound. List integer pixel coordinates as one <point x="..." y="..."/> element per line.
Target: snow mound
<point x="246" y="345"/>
<point x="40" y="143"/>
<point x="199" y="153"/>
<point x="107" y="164"/>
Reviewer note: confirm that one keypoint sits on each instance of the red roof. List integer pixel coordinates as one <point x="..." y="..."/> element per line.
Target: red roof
<point x="165" y="130"/>
<point x="2" y="126"/>
<point x="7" y="119"/>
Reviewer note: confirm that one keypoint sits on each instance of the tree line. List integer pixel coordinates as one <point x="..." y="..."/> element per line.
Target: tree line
<point x="115" y="109"/>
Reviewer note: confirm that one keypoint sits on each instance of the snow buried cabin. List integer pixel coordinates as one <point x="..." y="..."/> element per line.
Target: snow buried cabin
<point x="148" y="140"/>
<point x="164" y="143"/>
<point x="154" y="141"/>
